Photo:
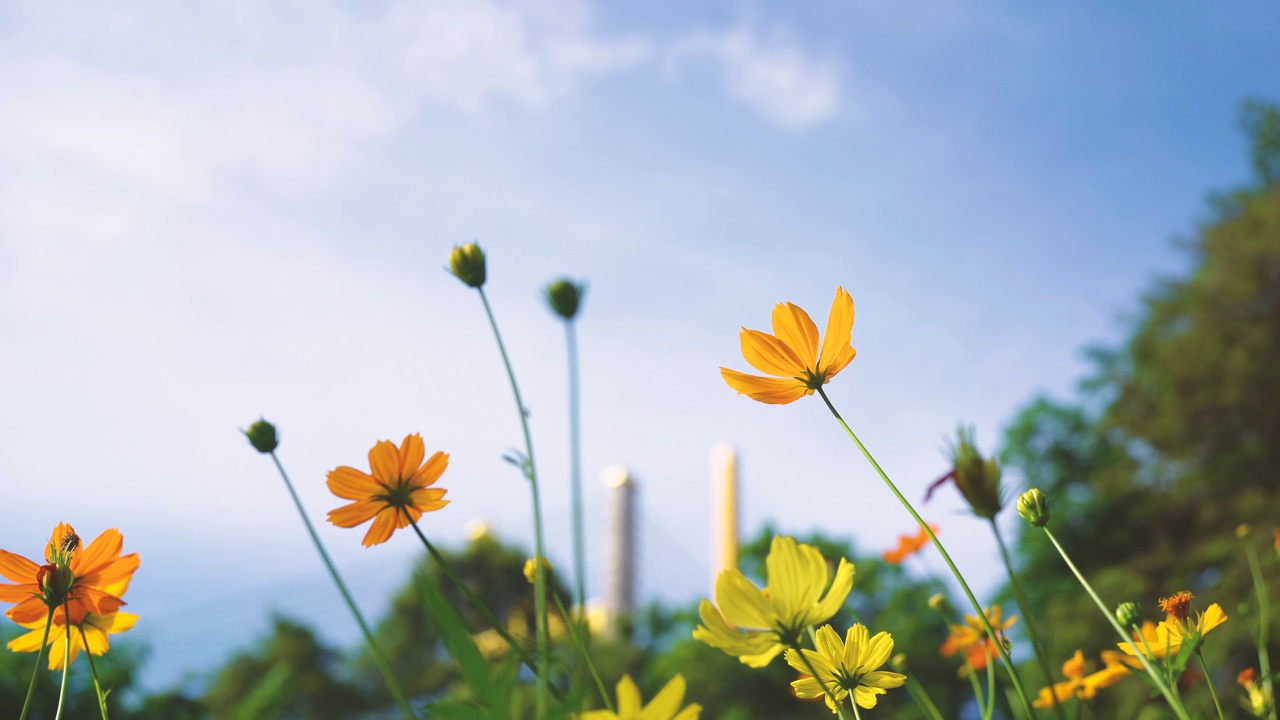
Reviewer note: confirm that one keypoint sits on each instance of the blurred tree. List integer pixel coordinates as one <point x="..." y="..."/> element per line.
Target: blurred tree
<point x="1176" y="440"/>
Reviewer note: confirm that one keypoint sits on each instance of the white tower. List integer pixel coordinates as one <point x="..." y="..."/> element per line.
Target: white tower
<point x="724" y="510"/>
<point x="620" y="578"/>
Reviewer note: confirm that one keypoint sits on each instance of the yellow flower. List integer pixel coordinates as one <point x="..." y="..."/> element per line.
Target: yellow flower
<point x="88" y="630"/>
<point x="755" y="625"/>
<point x="664" y="706"/>
<point x="791" y="354"/>
<point x="971" y="638"/>
<point x="1115" y="667"/>
<point x="1167" y="637"/>
<point x="845" y="667"/>
<point x="396" y="494"/>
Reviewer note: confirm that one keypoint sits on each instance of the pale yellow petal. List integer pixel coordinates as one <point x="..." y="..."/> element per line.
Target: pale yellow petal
<point x="774" y="391"/>
<point x="883" y="679"/>
<point x="692" y="712"/>
<point x="866" y="696"/>
<point x="836" y="594"/>
<point x="835" y="340"/>
<point x="794" y="327"/>
<point x="667" y="702"/>
<point x="877" y="652"/>
<point x="741" y="602"/>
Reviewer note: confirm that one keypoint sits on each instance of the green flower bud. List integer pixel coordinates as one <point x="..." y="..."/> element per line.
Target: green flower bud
<point x="898" y="662"/>
<point x="939" y="603"/>
<point x="466" y="262"/>
<point x="1033" y="506"/>
<point x="262" y="436"/>
<point x="565" y="297"/>
<point x="1128" y="614"/>
<point x="977" y="478"/>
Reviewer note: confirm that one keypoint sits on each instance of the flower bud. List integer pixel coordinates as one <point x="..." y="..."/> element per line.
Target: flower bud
<point x="531" y="569"/>
<point x="898" y="662"/>
<point x="466" y="262"/>
<point x="1242" y="531"/>
<point x="55" y="582"/>
<point x="565" y="297"/>
<point x="1034" y="507"/>
<point x="977" y="478"/>
<point x="939" y="603"/>
<point x="262" y="436"/>
<point x="1128" y="614"/>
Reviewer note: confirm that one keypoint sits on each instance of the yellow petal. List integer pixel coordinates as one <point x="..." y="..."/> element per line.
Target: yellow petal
<point x="741" y="602"/>
<point x="666" y="702"/>
<point x="770" y="355"/>
<point x="628" y="698"/>
<point x="689" y="713"/>
<point x="794" y="327"/>
<point x="828" y="643"/>
<point x="866" y="696"/>
<point x="831" y="603"/>
<point x="879" y="648"/>
<point x="774" y="391"/>
<point x="1212" y="617"/>
<point x="835" y="340"/>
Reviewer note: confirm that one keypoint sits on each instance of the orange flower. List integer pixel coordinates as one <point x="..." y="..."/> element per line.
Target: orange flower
<point x="972" y="639"/>
<point x="1115" y="668"/>
<point x="908" y="545"/>
<point x="88" y="632"/>
<point x="396" y="494"/>
<point x="99" y="576"/>
<point x="791" y="354"/>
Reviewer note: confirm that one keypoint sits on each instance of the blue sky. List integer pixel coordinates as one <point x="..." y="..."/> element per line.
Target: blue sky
<point x="208" y="212"/>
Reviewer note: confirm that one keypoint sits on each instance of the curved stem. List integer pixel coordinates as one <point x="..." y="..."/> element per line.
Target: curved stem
<point x="1169" y="697"/>
<point x="977" y="688"/>
<point x="93" y="669"/>
<point x="379" y="658"/>
<point x="572" y="625"/>
<point x="66" y="661"/>
<point x="1032" y="634"/>
<point x="991" y="683"/>
<point x="575" y="467"/>
<point x="31" y="689"/>
<point x="973" y="600"/>
<point x="530" y="471"/>
<point x="1264" y="624"/>
<point x="1208" y="679"/>
<point x="927" y="708"/>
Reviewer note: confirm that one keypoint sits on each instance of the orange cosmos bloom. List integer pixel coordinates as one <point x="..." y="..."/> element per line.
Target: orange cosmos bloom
<point x="791" y="354"/>
<point x="396" y="494"/>
<point x="100" y="576"/>
<point x="1115" y="668"/>
<point x="88" y="631"/>
<point x="972" y="639"/>
<point x="908" y="545"/>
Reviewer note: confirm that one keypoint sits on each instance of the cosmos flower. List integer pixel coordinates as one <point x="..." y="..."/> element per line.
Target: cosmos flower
<point x="851" y="666"/>
<point x="90" y="579"/>
<point x="397" y="493"/>
<point x="664" y="706"/>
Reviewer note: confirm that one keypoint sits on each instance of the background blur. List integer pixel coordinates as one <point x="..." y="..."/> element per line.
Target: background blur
<point x="212" y="212"/>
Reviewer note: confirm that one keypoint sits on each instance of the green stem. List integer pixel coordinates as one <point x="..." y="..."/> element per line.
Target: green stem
<point x="1264" y="623"/>
<point x="991" y="682"/>
<point x="1169" y="697"/>
<point x="31" y="689"/>
<point x="530" y="471"/>
<point x="379" y="658"/>
<point x="813" y="673"/>
<point x="93" y="669"/>
<point x="575" y="465"/>
<point x="66" y="660"/>
<point x="1032" y="634"/>
<point x="572" y="625"/>
<point x="1208" y="679"/>
<point x="853" y="704"/>
<point x="973" y="600"/>
<point x="922" y="699"/>
<point x="977" y="688"/>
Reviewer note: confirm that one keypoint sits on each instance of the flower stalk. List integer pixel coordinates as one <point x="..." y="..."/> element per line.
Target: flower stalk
<point x="1032" y="634"/>
<point x="93" y="670"/>
<point x="31" y="688"/>
<point x="1004" y="653"/>
<point x="1264" y="624"/>
<point x="66" y="661"/>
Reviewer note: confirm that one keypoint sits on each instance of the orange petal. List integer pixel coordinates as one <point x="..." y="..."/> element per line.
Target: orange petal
<point x="93" y="600"/>
<point x="356" y="513"/>
<point x="775" y="391"/>
<point x="431" y="471"/>
<point x="384" y="461"/>
<point x="104" y="548"/>
<point x="793" y="326"/>
<point x="55" y="539"/>
<point x="428" y="499"/>
<point x="17" y="568"/>
<point x="118" y="570"/>
<point x="770" y="355"/>
<point x="411" y="453"/>
<point x="841" y="363"/>
<point x="839" y="329"/>
<point x="30" y="610"/>
<point x="18" y="593"/>
<point x="349" y="483"/>
<point x="383" y="525"/>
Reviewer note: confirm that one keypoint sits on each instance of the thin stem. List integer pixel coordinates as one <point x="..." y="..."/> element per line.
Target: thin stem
<point x="31" y="689"/>
<point x="973" y="600"/>
<point x="1032" y="634"/>
<point x="977" y="688"/>
<point x="530" y="471"/>
<point x="853" y="704"/>
<point x="66" y="661"/>
<point x="379" y="658"/>
<point x="93" y="669"/>
<point x="1208" y="680"/>
<point x="1169" y="697"/>
<point x="575" y="466"/>
<point x="572" y="625"/>
<point x="922" y="699"/>
<point x="1264" y="624"/>
<point x="991" y="682"/>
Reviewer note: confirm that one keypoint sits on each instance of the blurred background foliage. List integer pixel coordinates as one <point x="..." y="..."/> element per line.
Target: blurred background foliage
<point x="1169" y="445"/>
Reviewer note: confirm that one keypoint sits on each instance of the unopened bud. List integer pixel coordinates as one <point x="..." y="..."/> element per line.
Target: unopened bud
<point x="466" y="262"/>
<point x="1242" y="531"/>
<point x="898" y="662"/>
<point x="55" y="582"/>
<point x="565" y="297"/>
<point x="939" y="603"/>
<point x="1128" y="614"/>
<point x="1033" y="507"/>
<point x="531" y="569"/>
<point x="977" y="478"/>
<point x="262" y="436"/>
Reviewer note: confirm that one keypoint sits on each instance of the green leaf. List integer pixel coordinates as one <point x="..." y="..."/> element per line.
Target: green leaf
<point x="475" y="670"/>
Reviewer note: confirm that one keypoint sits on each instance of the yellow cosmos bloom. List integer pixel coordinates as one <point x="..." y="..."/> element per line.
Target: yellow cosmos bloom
<point x="791" y="353"/>
<point x="96" y="569"/>
<point x="664" y="706"/>
<point x="755" y="625"/>
<point x="845" y="667"/>
<point x="396" y="494"/>
<point x="1167" y="637"/>
<point x="88" y="631"/>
